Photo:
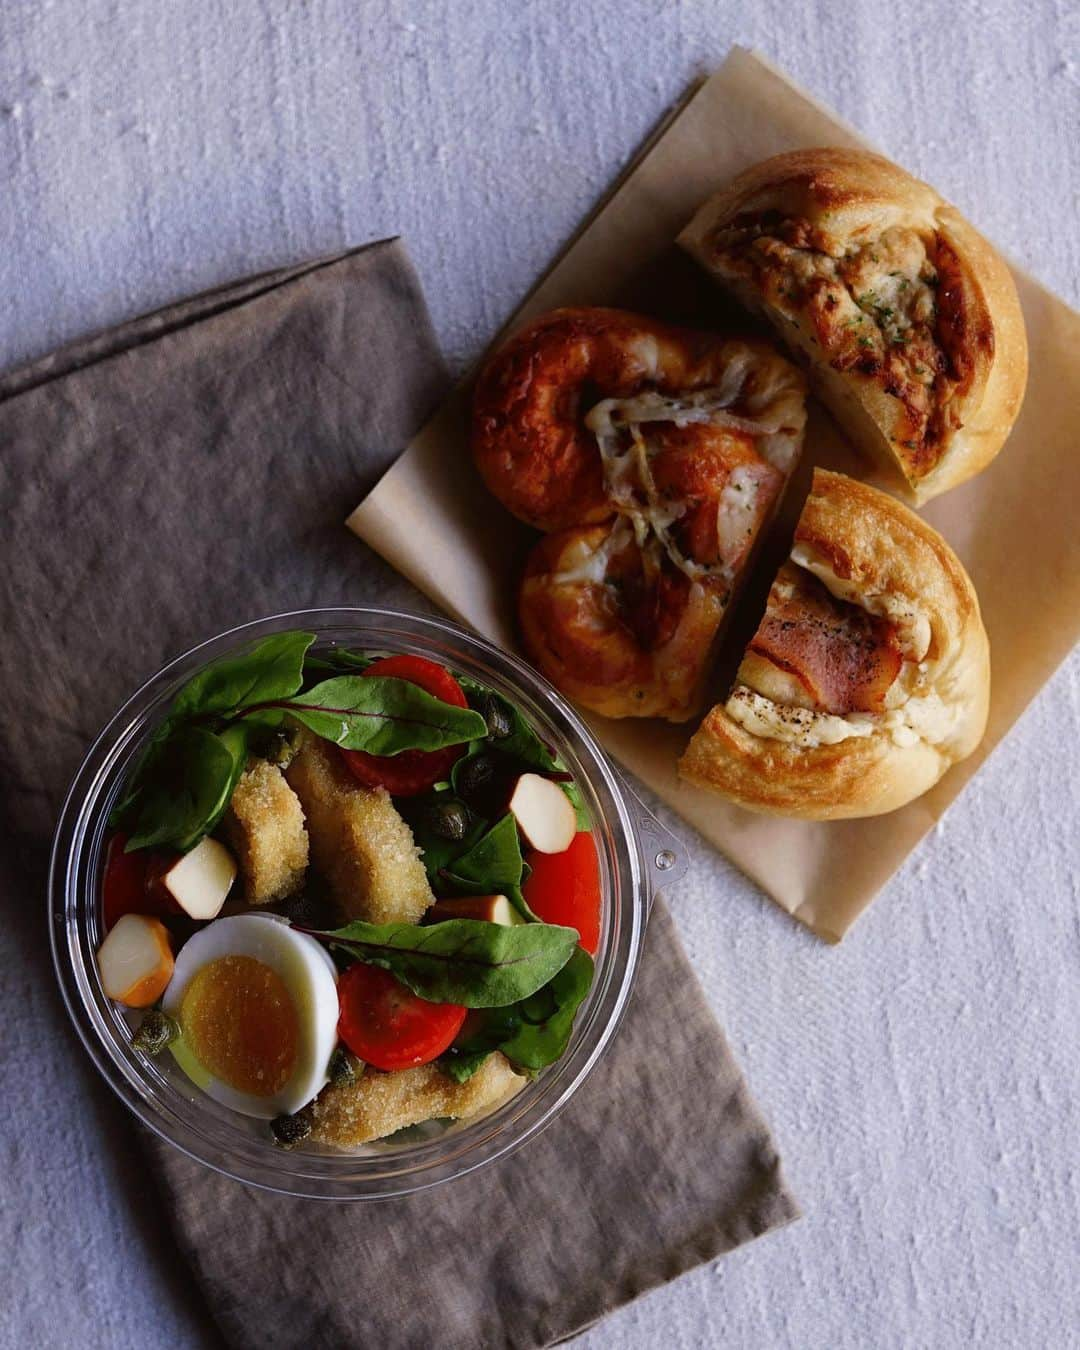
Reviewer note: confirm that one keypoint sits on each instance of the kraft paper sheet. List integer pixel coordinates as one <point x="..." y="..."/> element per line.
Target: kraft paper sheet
<point x="1013" y="526"/>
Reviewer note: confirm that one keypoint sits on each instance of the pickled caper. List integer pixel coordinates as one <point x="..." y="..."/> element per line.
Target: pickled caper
<point x="156" y="1031"/>
<point x="344" y="1067"/>
<point x="497" y="716"/>
<point x="448" y="820"/>
<point x="476" y="777"/>
<point x="288" y="1131"/>
<point x="282" y="747"/>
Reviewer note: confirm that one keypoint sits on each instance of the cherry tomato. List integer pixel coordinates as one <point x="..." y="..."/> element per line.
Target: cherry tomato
<point x="564" y="888"/>
<point x="387" y="1025"/>
<point x="412" y="771"/>
<point x="123" y="886"/>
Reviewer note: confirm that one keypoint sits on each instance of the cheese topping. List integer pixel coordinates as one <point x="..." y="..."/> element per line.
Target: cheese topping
<point x="881" y="308"/>
<point x="737" y="510"/>
<point x="759" y="399"/>
<point x="912" y="625"/>
<point x="924" y="718"/>
<point x="590" y="566"/>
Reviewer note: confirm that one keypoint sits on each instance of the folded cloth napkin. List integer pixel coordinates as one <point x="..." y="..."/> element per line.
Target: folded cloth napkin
<point x="191" y="471"/>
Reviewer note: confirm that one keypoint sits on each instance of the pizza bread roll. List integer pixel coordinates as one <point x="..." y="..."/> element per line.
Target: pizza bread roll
<point x="656" y="455"/>
<point x="906" y="318"/>
<point x="868" y="677"/>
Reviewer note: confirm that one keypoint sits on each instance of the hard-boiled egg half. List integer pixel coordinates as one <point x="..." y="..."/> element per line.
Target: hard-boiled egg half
<point x="257" y="1006"/>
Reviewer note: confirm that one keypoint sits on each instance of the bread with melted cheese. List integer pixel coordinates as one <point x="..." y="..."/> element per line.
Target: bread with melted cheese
<point x="905" y="317"/>
<point x="654" y="458"/>
<point x="868" y="677"/>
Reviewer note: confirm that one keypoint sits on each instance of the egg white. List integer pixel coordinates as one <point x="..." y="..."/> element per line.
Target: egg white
<point x="311" y="978"/>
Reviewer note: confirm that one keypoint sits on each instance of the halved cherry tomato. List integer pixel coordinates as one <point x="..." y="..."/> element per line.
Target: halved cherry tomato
<point x="125" y="885"/>
<point x="564" y="888"/>
<point x="412" y="771"/>
<point x="387" y="1025"/>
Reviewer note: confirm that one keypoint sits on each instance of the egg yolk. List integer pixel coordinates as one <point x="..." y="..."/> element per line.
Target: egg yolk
<point x="239" y="1021"/>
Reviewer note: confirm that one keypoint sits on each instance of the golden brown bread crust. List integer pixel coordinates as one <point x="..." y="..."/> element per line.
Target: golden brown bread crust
<point x="868" y="548"/>
<point x="359" y="841"/>
<point x="528" y="436"/>
<point x="578" y="635"/>
<point x="376" y="1104"/>
<point x="653" y="457"/>
<point x="264" y="827"/>
<point x="906" y="317"/>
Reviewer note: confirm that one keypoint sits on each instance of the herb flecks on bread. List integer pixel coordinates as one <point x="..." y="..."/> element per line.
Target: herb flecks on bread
<point x="905" y="317"/>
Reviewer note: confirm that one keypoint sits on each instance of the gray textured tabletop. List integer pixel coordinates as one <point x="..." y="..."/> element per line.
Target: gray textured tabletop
<point x="922" y="1079"/>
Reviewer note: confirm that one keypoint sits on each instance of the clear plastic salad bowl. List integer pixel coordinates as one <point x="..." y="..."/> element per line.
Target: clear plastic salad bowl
<point x="635" y="851"/>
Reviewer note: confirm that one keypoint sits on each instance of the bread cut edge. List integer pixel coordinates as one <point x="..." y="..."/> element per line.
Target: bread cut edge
<point x="868" y="775"/>
<point x="980" y="440"/>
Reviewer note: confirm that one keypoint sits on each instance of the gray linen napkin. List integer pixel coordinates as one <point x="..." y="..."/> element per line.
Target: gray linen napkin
<point x="188" y="472"/>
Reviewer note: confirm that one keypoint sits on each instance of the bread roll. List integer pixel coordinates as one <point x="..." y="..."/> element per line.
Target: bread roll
<point x="868" y="677"/>
<point x="905" y="318"/>
<point x="655" y="457"/>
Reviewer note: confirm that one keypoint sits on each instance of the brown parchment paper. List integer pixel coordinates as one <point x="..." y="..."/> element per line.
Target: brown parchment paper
<point x="1014" y="526"/>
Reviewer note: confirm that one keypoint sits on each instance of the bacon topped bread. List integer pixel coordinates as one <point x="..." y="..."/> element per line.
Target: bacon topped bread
<point x="906" y="319"/>
<point x="653" y="457"/>
<point x="868" y="676"/>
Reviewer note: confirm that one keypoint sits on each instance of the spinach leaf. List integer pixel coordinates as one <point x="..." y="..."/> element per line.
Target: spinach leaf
<point x="465" y="961"/>
<point x="516" y="896"/>
<point x="522" y="743"/>
<point x="483" y="1033"/>
<point x="525" y="745"/>
<point x="460" y="1065"/>
<point x="438" y="852"/>
<point x="532" y="1033"/>
<point x="382" y="715"/>
<point x="577" y="801"/>
<point x="124" y="810"/>
<point x="547" y="1017"/>
<point x="492" y="865"/>
<point x="237" y="740"/>
<point x="269" y="671"/>
<point x="189" y="781"/>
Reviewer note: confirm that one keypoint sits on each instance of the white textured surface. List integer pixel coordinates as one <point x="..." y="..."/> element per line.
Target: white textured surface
<point x="923" y="1079"/>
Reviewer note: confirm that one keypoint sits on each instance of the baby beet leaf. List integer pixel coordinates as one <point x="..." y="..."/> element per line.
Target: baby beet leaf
<point x="465" y="961"/>
<point x="335" y="661"/>
<point x="274" y="669"/>
<point x="382" y="715"/>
